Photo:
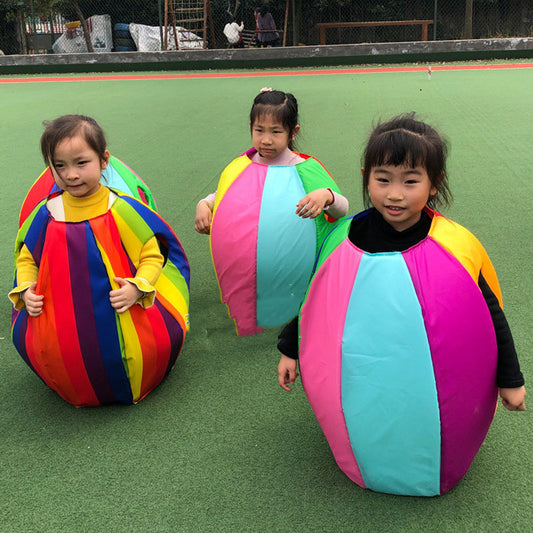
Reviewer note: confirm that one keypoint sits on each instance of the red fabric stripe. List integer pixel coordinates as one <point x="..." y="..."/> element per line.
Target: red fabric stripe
<point x="107" y="234"/>
<point x="155" y="346"/>
<point x="39" y="190"/>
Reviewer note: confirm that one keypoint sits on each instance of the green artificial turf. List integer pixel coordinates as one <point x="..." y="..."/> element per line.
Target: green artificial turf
<point x="219" y="446"/>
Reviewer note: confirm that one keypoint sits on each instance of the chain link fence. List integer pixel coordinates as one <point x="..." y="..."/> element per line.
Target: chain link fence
<point x="70" y="26"/>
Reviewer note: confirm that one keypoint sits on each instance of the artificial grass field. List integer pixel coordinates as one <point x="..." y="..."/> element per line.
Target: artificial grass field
<point x="219" y="446"/>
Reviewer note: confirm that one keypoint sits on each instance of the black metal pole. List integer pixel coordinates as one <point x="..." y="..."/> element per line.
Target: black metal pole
<point x="160" y="22"/>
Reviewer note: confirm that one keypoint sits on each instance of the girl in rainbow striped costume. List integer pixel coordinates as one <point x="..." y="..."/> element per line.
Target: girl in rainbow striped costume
<point x="101" y="284"/>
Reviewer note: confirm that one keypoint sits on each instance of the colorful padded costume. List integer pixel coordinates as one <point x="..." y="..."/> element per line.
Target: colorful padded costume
<point x="79" y="346"/>
<point x="398" y="358"/>
<point x="262" y="251"/>
<point x="117" y="176"/>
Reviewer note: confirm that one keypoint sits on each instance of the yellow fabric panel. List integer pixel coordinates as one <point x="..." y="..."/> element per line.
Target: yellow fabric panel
<point x="230" y="173"/>
<point x="466" y="248"/>
<point x="129" y="239"/>
<point x="174" y="297"/>
<point x="132" y="354"/>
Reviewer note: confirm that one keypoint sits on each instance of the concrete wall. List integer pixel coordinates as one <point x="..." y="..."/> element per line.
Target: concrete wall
<point x="292" y="56"/>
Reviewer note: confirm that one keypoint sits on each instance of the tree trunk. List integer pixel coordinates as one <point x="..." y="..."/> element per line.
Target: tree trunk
<point x="86" y="32"/>
<point x="467" y="30"/>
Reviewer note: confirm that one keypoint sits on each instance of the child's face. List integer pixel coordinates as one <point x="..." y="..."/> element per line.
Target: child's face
<point x="77" y="168"/>
<point x="400" y="193"/>
<point x="269" y="137"/>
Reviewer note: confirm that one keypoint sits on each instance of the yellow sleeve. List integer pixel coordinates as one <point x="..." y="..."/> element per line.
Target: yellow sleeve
<point x="27" y="272"/>
<point x="150" y="265"/>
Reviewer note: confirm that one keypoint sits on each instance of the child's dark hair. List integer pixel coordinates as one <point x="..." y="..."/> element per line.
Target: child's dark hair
<point x="281" y="106"/>
<point x="405" y="140"/>
<point x="68" y="126"/>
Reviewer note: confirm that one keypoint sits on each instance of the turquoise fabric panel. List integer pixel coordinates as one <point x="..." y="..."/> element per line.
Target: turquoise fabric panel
<point x="389" y="394"/>
<point x="286" y="246"/>
<point x="113" y="180"/>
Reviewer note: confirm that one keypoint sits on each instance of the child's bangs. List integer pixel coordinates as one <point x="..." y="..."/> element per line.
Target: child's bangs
<point x="399" y="148"/>
<point x="278" y="113"/>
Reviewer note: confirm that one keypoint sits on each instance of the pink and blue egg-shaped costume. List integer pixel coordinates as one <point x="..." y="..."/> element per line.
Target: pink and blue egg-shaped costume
<point x="263" y="253"/>
<point x="398" y="358"/>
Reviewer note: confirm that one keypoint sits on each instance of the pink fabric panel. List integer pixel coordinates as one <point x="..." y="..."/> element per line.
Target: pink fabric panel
<point x="234" y="246"/>
<point x="322" y="326"/>
<point x="464" y="353"/>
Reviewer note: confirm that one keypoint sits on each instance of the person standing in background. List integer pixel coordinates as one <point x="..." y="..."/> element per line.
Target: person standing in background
<point x="267" y="35"/>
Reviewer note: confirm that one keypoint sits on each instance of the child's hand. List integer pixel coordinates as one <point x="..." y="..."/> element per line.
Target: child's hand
<point x="287" y="372"/>
<point x="123" y="298"/>
<point x="33" y="301"/>
<point x="311" y="205"/>
<point x="204" y="215"/>
<point x="514" y="399"/>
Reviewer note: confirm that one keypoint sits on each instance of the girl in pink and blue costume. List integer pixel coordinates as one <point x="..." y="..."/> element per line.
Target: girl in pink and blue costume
<point x="263" y="248"/>
<point x="401" y="339"/>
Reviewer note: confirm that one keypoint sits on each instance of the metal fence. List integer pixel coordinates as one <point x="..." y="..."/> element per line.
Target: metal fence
<point x="68" y="26"/>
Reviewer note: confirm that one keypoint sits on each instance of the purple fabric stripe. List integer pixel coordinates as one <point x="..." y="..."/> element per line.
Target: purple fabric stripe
<point x="80" y="273"/>
<point x="175" y="334"/>
<point x="464" y="353"/>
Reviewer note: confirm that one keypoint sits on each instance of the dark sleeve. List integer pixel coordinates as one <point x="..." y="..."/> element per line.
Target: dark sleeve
<point x="508" y="374"/>
<point x="288" y="339"/>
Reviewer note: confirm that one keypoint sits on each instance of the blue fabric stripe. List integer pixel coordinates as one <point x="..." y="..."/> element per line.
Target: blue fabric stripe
<point x="105" y="324"/>
<point x="18" y="334"/>
<point x="36" y="232"/>
<point x="286" y="246"/>
<point x="389" y="393"/>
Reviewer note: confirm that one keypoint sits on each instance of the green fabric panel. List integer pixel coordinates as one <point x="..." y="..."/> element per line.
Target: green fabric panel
<point x="21" y="234"/>
<point x="314" y="176"/>
<point x="335" y="237"/>
<point x="133" y="181"/>
<point x="142" y="230"/>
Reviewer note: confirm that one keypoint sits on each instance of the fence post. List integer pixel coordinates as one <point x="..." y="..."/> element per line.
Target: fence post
<point x="435" y="21"/>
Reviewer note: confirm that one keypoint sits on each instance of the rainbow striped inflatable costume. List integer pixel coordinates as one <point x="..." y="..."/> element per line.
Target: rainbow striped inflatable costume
<point x="263" y="253"/>
<point x="79" y="346"/>
<point x="398" y="358"/>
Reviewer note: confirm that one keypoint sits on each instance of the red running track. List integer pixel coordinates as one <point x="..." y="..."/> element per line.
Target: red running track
<point x="265" y="73"/>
